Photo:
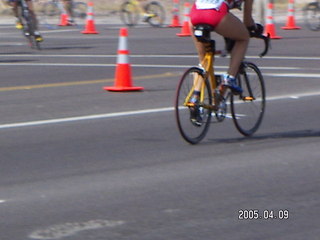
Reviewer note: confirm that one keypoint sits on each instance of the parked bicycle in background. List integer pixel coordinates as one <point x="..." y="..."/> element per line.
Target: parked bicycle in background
<point x="311" y="14"/>
<point x="152" y="12"/>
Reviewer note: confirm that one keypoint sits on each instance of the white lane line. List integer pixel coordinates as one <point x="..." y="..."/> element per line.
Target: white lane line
<point x="310" y="75"/>
<point x="293" y="96"/>
<point x="131" y="113"/>
<point x="82" y="118"/>
<point x="60" y="231"/>
<point x="2" y="201"/>
<point x="293" y="75"/>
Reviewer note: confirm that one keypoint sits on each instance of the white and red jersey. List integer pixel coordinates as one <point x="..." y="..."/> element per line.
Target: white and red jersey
<point x="216" y="4"/>
<point x="208" y="4"/>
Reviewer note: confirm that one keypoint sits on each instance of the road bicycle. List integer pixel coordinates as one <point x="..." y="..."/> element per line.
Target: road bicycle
<point x="50" y="13"/>
<point x="247" y="108"/>
<point x="28" y="20"/>
<point x="311" y="14"/>
<point x="131" y="13"/>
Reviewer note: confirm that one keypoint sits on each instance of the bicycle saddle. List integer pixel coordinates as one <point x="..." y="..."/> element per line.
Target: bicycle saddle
<point x="202" y="32"/>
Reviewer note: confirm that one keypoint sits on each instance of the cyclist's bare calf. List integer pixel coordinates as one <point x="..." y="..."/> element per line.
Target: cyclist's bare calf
<point x="231" y="27"/>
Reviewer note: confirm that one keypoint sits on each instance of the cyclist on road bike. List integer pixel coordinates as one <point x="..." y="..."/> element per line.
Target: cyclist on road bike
<point x="19" y="25"/>
<point x="216" y="13"/>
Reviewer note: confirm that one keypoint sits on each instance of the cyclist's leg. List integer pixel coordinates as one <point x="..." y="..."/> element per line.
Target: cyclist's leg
<point x="200" y="47"/>
<point x="197" y="16"/>
<point x="35" y="21"/>
<point x="67" y="4"/>
<point x="14" y="6"/>
<point x="231" y="27"/>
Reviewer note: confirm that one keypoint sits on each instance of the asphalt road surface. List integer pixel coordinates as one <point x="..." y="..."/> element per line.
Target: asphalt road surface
<point x="82" y="163"/>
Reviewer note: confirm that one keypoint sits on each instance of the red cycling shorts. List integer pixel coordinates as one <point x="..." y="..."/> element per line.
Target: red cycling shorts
<point x="208" y="16"/>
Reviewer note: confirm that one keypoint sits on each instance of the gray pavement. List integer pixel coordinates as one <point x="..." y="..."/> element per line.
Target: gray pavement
<point x="80" y="163"/>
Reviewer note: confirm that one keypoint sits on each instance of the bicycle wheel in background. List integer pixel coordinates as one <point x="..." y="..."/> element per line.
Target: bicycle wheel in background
<point x="190" y="132"/>
<point x="129" y="14"/>
<point x="311" y="15"/>
<point x="49" y="15"/>
<point x="79" y="12"/>
<point x="157" y="13"/>
<point x="248" y="108"/>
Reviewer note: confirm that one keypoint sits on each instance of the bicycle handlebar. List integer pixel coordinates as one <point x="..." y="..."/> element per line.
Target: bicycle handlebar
<point x="257" y="32"/>
<point x="266" y="40"/>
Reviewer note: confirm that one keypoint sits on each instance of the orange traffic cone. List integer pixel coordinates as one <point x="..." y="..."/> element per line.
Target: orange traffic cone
<point x="270" y="27"/>
<point x="175" y="15"/>
<point x="123" y="81"/>
<point x="90" y="26"/>
<point x="185" y="31"/>
<point x="291" y="23"/>
<point x="64" y="20"/>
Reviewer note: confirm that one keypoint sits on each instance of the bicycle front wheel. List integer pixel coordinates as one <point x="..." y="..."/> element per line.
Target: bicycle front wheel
<point x="129" y="14"/>
<point x="248" y="108"/>
<point x="79" y="12"/>
<point x="157" y="14"/>
<point x="189" y="131"/>
<point x="311" y="15"/>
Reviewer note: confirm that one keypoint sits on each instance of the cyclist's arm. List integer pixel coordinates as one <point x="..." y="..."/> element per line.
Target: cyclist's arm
<point x="247" y="13"/>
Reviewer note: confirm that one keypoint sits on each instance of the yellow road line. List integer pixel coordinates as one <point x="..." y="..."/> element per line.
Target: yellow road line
<point x="65" y="84"/>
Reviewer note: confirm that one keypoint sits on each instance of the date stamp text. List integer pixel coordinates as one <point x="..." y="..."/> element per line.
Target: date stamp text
<point x="255" y="214"/>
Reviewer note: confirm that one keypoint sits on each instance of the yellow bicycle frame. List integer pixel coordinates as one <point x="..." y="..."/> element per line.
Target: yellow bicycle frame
<point x="199" y="83"/>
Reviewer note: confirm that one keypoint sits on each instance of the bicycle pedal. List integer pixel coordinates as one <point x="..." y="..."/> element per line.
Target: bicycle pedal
<point x="248" y="98"/>
<point x="190" y="104"/>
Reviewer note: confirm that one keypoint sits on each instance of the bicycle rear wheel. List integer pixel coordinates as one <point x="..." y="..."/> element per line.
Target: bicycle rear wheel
<point x="190" y="132"/>
<point x="129" y="14"/>
<point x="157" y="14"/>
<point x="50" y="15"/>
<point x="248" y="108"/>
<point x="311" y="15"/>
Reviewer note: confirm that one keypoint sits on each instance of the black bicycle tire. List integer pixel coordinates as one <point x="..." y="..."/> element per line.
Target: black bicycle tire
<point x="162" y="10"/>
<point x="179" y="111"/>
<point x="235" y="114"/>
<point x="125" y="19"/>
<point x="313" y="6"/>
<point x="32" y="28"/>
